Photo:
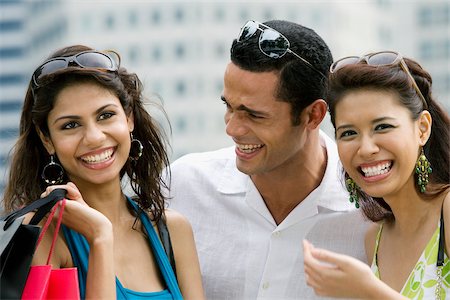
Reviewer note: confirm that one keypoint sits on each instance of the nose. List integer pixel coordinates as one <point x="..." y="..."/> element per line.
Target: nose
<point x="93" y="135"/>
<point x="235" y="125"/>
<point x="368" y="146"/>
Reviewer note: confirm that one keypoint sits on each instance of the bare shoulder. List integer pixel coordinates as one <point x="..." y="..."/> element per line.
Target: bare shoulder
<point x="370" y="240"/>
<point x="176" y="222"/>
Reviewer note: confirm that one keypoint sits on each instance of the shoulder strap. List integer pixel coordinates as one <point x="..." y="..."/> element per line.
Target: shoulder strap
<point x="440" y="258"/>
<point x="167" y="244"/>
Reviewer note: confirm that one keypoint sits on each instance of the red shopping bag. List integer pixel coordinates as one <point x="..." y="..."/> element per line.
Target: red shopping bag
<point x="43" y="282"/>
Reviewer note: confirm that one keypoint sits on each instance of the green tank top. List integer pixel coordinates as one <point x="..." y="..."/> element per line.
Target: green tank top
<point x="422" y="281"/>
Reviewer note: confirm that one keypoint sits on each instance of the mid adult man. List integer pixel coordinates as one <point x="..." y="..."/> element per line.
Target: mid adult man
<point x="251" y="205"/>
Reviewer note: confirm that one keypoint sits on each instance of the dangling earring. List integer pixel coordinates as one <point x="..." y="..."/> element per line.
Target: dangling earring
<point x="53" y="172"/>
<point x="423" y="169"/>
<point x="352" y="188"/>
<point x="136" y="148"/>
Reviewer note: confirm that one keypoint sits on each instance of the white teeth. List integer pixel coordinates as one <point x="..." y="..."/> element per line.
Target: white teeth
<point x="377" y="170"/>
<point x="249" y="148"/>
<point x="93" y="159"/>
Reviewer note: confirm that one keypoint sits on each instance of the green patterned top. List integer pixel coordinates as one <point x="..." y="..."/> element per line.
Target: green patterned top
<point x="421" y="283"/>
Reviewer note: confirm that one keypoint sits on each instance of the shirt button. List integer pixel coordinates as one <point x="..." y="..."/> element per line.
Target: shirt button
<point x="276" y="233"/>
<point x="265" y="285"/>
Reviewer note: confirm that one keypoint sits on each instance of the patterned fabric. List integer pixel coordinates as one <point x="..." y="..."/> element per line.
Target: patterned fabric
<point x="421" y="283"/>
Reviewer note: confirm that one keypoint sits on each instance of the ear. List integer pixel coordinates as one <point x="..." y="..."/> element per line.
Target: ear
<point x="130" y="121"/>
<point x="424" y="123"/>
<point x="46" y="141"/>
<point x="315" y="113"/>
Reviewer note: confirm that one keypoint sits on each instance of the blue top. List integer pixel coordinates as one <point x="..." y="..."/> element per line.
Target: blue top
<point x="79" y="249"/>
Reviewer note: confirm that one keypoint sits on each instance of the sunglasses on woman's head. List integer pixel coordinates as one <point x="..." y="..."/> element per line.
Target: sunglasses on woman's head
<point x="271" y="42"/>
<point x="380" y="59"/>
<point x="107" y="61"/>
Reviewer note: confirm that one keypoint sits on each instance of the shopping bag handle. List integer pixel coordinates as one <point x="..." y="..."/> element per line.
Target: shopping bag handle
<point x="61" y="204"/>
<point x="43" y="205"/>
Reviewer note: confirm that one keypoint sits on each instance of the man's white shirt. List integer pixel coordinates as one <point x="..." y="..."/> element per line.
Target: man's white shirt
<point x="243" y="253"/>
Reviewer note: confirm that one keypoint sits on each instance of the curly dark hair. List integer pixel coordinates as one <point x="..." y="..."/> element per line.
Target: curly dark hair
<point x="299" y="84"/>
<point x="437" y="149"/>
<point x="29" y="155"/>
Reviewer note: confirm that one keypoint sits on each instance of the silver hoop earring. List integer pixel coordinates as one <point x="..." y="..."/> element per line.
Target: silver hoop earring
<point x="136" y="148"/>
<point x="53" y="172"/>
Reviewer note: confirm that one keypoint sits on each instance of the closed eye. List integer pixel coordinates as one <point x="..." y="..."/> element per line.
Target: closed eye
<point x="252" y="115"/>
<point x="383" y="127"/>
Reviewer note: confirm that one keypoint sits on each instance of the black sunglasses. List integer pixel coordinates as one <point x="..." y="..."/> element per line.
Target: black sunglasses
<point x="103" y="61"/>
<point x="379" y="59"/>
<point x="271" y="42"/>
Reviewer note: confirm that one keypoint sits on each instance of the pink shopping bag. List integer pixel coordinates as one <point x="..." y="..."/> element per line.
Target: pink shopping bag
<point x="43" y="282"/>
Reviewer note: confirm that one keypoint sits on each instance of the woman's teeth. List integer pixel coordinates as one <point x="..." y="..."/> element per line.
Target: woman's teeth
<point x="93" y="159"/>
<point x="376" y="170"/>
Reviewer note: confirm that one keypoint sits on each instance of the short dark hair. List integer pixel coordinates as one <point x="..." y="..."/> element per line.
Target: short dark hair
<point x="360" y="76"/>
<point x="299" y="84"/>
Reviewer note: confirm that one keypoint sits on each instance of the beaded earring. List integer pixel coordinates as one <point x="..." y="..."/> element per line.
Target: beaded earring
<point x="423" y="169"/>
<point x="352" y="188"/>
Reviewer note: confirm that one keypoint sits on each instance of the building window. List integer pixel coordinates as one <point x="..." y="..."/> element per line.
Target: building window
<point x="179" y="15"/>
<point x="219" y="14"/>
<point x="11" y="25"/>
<point x="9" y="133"/>
<point x="12" y="52"/>
<point x="221" y="51"/>
<point x="133" y="54"/>
<point x="434" y="15"/>
<point x="181" y="124"/>
<point x="156" y="54"/>
<point x="180" y="51"/>
<point x="133" y="18"/>
<point x="110" y="21"/>
<point x="180" y="88"/>
<point x="10" y="106"/>
<point x="11" y="79"/>
<point x="155" y="17"/>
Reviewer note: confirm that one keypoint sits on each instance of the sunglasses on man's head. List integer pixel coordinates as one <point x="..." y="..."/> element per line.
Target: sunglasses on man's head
<point x="271" y="42"/>
<point x="107" y="61"/>
<point x="379" y="59"/>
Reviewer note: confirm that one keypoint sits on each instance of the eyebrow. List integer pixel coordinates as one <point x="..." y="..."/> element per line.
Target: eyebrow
<point x="377" y="120"/>
<point x="75" y="117"/>
<point x="247" y="109"/>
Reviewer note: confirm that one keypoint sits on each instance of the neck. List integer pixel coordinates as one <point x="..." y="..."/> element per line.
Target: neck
<point x="106" y="198"/>
<point x="283" y="189"/>
<point x="411" y="210"/>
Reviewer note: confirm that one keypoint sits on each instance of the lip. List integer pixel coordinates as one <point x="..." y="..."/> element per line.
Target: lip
<point x="375" y="167"/>
<point x="105" y="157"/>
<point x="254" y="148"/>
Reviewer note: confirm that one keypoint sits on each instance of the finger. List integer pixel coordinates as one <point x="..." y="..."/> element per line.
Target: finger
<point x="329" y="257"/>
<point x="71" y="189"/>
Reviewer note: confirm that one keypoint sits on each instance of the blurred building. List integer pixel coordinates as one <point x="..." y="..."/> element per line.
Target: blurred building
<point x="180" y="49"/>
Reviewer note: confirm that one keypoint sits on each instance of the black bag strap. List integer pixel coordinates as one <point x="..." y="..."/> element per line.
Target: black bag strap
<point x="43" y="206"/>
<point x="440" y="258"/>
<point x="167" y="244"/>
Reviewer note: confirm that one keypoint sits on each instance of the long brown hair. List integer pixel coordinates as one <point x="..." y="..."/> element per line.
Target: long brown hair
<point x="29" y="155"/>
